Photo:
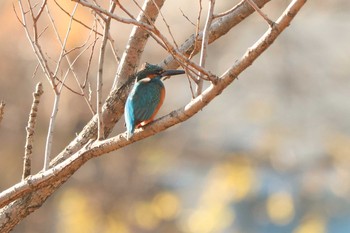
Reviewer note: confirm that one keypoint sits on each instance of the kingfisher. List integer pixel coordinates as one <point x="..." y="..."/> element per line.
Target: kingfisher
<point x="146" y="96"/>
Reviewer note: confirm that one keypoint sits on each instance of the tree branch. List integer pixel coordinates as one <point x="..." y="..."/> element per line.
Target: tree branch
<point x="100" y="73"/>
<point x="57" y="94"/>
<point x="137" y="41"/>
<point x="203" y="54"/>
<point x="30" y="131"/>
<point x="2" y="110"/>
<point x="220" y="27"/>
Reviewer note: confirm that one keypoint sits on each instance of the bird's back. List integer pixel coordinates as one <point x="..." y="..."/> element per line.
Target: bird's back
<point x="143" y="103"/>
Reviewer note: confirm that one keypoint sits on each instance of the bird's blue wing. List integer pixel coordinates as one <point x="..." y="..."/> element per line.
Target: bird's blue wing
<point x="146" y="100"/>
<point x="142" y="102"/>
<point x="129" y="116"/>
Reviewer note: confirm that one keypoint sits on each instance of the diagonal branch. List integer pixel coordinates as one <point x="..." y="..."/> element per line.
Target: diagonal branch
<point x="137" y="42"/>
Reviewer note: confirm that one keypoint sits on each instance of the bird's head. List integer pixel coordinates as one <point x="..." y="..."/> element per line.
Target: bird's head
<point x="149" y="72"/>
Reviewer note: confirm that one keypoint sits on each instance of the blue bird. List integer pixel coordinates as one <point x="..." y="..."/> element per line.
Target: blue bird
<point x="146" y="97"/>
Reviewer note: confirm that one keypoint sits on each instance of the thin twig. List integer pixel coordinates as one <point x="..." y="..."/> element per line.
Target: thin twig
<point x="203" y="54"/>
<point x="257" y="9"/>
<point x="57" y="93"/>
<point x="111" y="41"/>
<point x="224" y="13"/>
<point x="89" y="63"/>
<point x="76" y="20"/>
<point x="50" y="133"/>
<point x="100" y="72"/>
<point x="28" y="148"/>
<point x="197" y="30"/>
<point x="2" y="110"/>
<point x="65" y="40"/>
<point x="167" y="25"/>
<point x="41" y="9"/>
<point x="17" y="16"/>
<point x="124" y="9"/>
<point x="35" y="43"/>
<point x="186" y="17"/>
<point x="70" y="63"/>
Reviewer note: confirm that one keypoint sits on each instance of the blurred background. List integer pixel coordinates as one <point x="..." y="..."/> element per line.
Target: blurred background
<point x="270" y="154"/>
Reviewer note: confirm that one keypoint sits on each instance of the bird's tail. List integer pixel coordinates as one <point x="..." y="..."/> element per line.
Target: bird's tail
<point x="129" y="134"/>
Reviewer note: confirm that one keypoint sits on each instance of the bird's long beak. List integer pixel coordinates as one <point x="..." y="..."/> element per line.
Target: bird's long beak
<point x="172" y="72"/>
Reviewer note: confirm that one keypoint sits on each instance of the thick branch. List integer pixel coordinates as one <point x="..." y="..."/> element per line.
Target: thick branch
<point x="137" y="42"/>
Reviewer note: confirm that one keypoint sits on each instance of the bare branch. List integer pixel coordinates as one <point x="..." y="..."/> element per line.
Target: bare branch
<point x="154" y="31"/>
<point x="167" y="25"/>
<point x="41" y="9"/>
<point x="203" y="53"/>
<point x="57" y="92"/>
<point x="101" y="11"/>
<point x="17" y="16"/>
<point x="197" y="29"/>
<point x="71" y="64"/>
<point x="100" y="73"/>
<point x="50" y="132"/>
<point x="76" y="20"/>
<point x="89" y="63"/>
<point x="257" y="9"/>
<point x="63" y="47"/>
<point x="137" y="40"/>
<point x="2" y="110"/>
<point x="35" y="44"/>
<point x="225" y="13"/>
<point x="31" y="130"/>
<point x="124" y="9"/>
<point x="219" y="28"/>
<point x="186" y="17"/>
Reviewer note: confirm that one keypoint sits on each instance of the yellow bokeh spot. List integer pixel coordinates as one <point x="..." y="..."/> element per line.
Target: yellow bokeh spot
<point x="339" y="148"/>
<point x="145" y="216"/>
<point x="230" y="181"/>
<point x="166" y="205"/>
<point x="312" y="225"/>
<point x="280" y="208"/>
<point x="213" y="218"/>
<point x="113" y="225"/>
<point x="76" y="213"/>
